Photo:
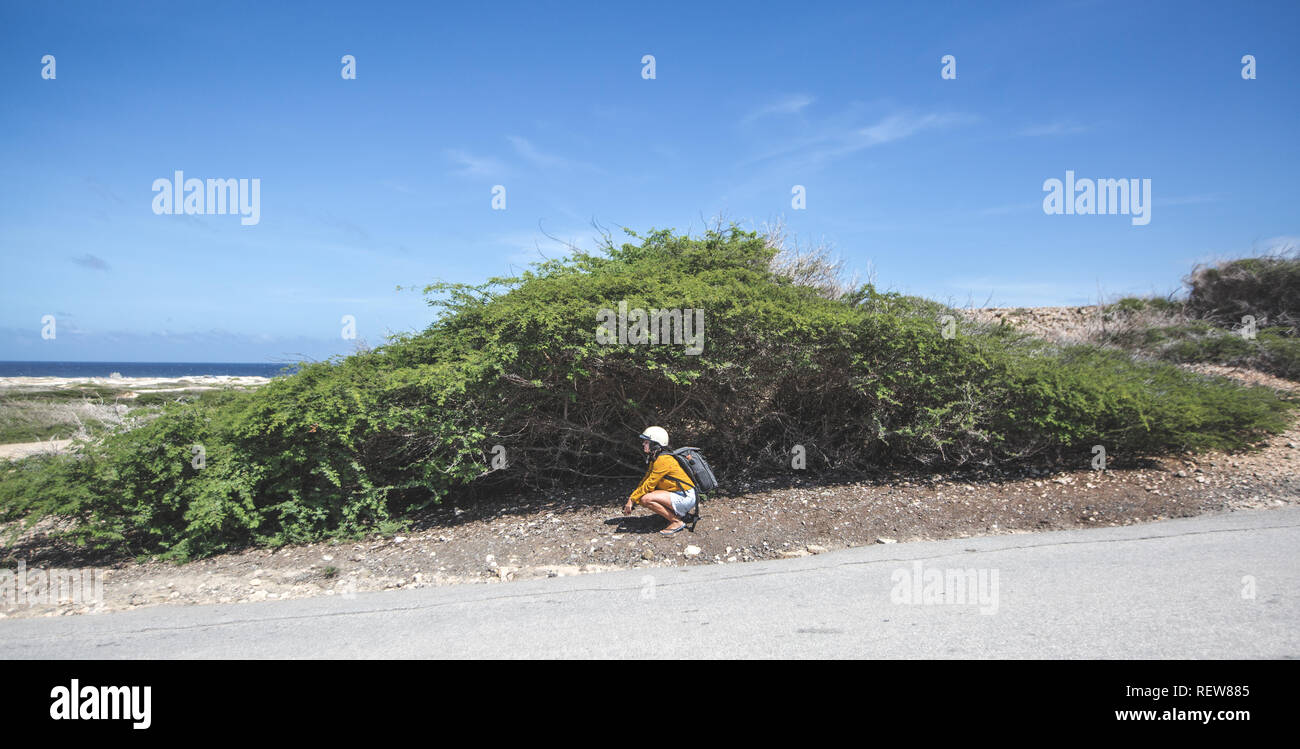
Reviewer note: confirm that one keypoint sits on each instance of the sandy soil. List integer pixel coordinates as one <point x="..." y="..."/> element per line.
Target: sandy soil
<point x="16" y="450"/>
<point x="1065" y="324"/>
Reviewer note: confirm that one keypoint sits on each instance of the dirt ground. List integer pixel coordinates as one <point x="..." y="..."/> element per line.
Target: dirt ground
<point x="570" y="533"/>
<point x="17" y="450"/>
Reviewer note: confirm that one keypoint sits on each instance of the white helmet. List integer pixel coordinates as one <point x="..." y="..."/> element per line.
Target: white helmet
<point x="656" y="434"/>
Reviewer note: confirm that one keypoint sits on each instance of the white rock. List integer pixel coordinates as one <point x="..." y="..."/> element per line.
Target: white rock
<point x="692" y="551"/>
<point x="883" y="540"/>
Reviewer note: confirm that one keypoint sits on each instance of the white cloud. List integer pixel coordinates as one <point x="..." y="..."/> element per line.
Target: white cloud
<point x="534" y="156"/>
<point x="398" y="187"/>
<point x="838" y="142"/>
<point x="476" y="166"/>
<point x="896" y="127"/>
<point x="542" y="160"/>
<point x="792" y="104"/>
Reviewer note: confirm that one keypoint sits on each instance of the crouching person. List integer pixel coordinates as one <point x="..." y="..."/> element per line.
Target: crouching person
<point x="666" y="490"/>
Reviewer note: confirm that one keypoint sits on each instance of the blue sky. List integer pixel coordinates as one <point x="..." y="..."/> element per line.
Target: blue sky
<point x="386" y="180"/>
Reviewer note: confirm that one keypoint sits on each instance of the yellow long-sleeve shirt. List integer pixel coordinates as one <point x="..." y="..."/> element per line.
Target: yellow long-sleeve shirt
<point x="659" y="476"/>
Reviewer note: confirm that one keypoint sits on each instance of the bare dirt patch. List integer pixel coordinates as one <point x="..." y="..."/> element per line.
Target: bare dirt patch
<point x="17" y="450"/>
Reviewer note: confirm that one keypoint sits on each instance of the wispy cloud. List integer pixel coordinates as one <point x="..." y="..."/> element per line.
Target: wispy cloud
<point x="534" y="156"/>
<point x="839" y="142"/>
<point x="90" y="261"/>
<point x="471" y="165"/>
<point x="792" y="104"/>
<point x="476" y="166"/>
<point x="897" y="127"/>
<point x="1054" y="128"/>
<point x="398" y="187"/>
<point x="542" y="160"/>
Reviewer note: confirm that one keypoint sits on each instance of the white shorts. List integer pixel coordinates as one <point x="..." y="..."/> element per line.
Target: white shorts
<point x="683" y="501"/>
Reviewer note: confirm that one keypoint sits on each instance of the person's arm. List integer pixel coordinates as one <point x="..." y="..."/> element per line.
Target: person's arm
<point x="657" y="471"/>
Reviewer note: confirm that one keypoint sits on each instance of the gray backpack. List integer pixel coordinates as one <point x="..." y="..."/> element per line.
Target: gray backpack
<point x="693" y="463"/>
<point x="697" y="468"/>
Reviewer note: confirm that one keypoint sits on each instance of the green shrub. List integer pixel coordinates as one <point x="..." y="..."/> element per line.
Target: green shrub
<point x="1209" y="326"/>
<point x="1133" y="304"/>
<point x="1279" y="353"/>
<point x="1266" y="288"/>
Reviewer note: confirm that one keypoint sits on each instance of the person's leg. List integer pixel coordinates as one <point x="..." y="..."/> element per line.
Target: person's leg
<point x="660" y="503"/>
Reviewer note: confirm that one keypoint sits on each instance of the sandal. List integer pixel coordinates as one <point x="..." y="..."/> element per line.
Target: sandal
<point x="678" y="529"/>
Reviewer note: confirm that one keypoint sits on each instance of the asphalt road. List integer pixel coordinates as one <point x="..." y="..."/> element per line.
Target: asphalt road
<point x="1218" y="586"/>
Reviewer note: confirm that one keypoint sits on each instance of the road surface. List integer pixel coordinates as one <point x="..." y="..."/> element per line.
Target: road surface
<point x="1217" y="586"/>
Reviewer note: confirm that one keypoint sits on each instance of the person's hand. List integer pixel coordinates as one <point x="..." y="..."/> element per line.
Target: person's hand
<point x="627" y="507"/>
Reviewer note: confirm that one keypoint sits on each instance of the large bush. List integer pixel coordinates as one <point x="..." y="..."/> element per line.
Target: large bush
<point x="857" y="378"/>
<point x="1266" y="288"/>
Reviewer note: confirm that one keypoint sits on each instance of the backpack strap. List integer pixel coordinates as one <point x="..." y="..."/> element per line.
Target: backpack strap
<point x="680" y="483"/>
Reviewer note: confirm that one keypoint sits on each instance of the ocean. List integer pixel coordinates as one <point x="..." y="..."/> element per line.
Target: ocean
<point x="139" y="369"/>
